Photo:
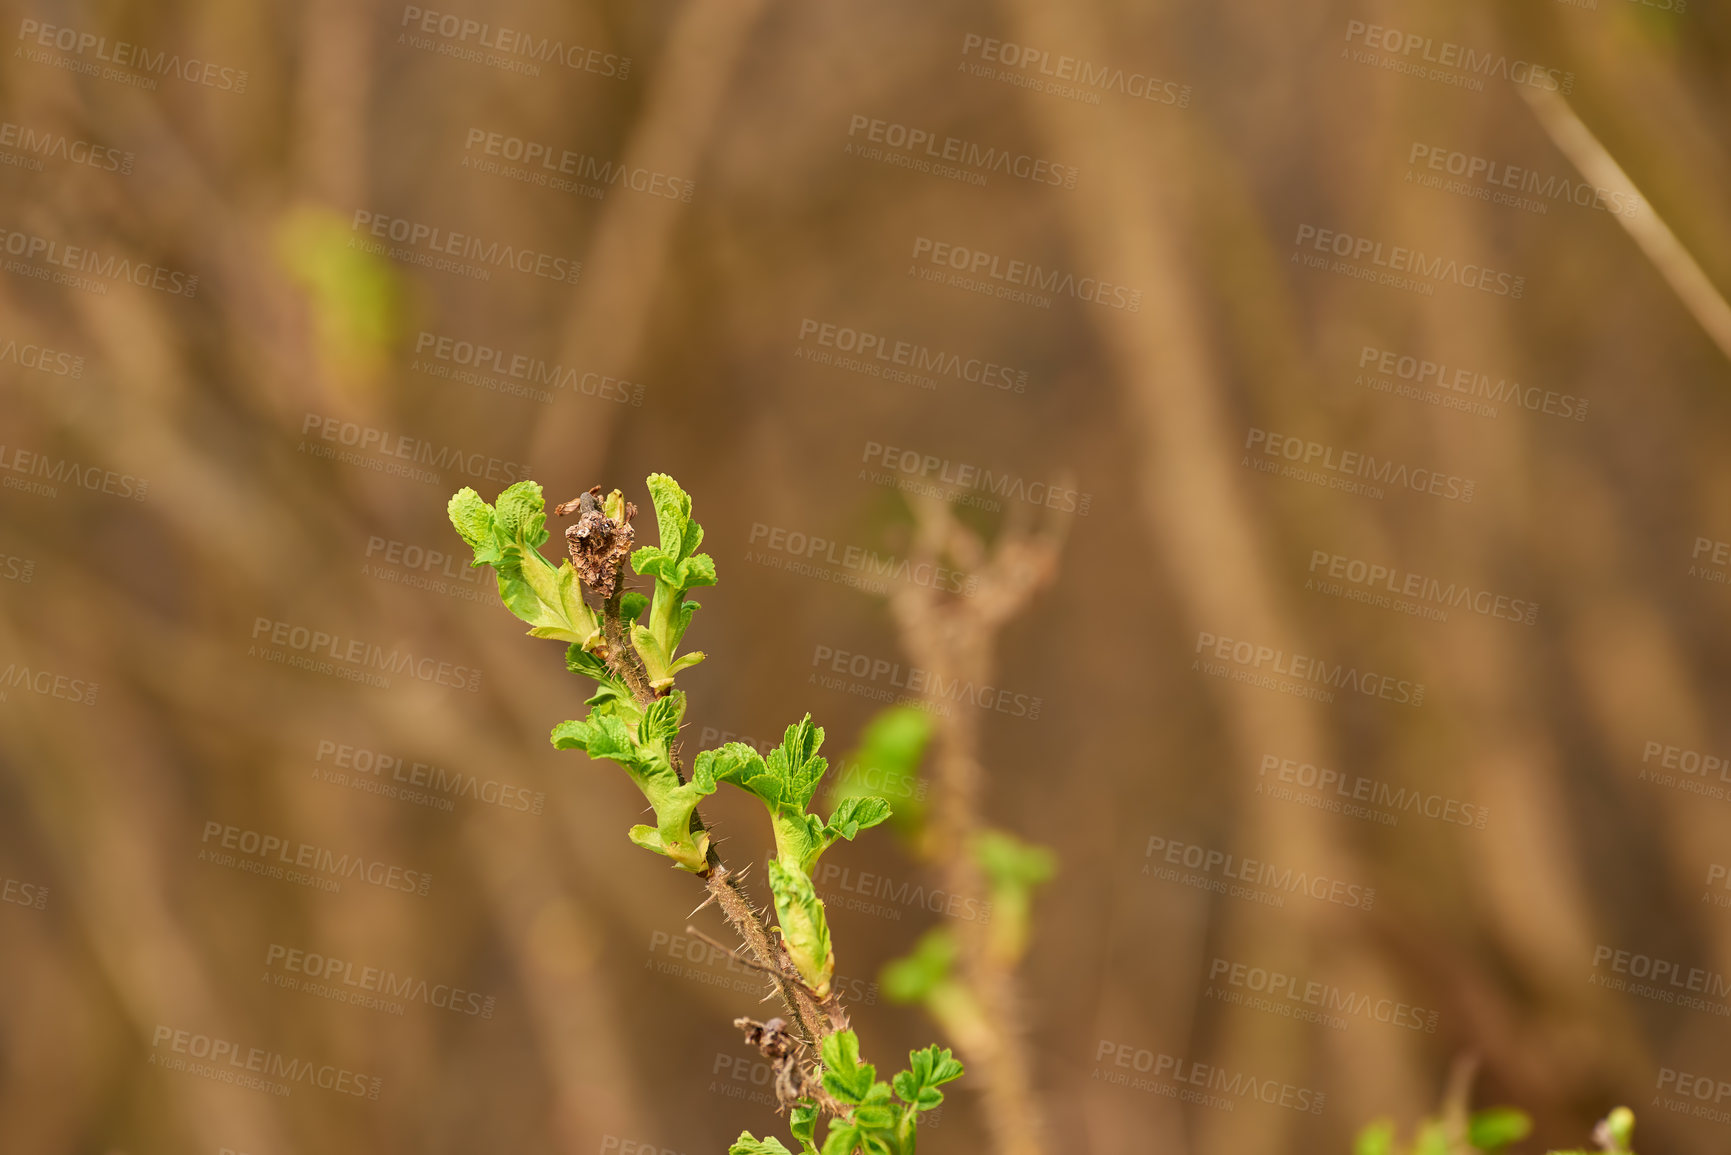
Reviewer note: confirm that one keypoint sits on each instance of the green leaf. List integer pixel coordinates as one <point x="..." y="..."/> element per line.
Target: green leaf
<point x="508" y="538"/>
<point x="913" y="977"/>
<point x="521" y="513"/>
<point x="876" y="1111"/>
<point x="686" y="661"/>
<point x="1375" y="1139"/>
<point x="648" y="838"/>
<point x="804" y="929"/>
<point x="1009" y="862"/>
<point x="660" y="723"/>
<point x="739" y="765"/>
<point x="632" y="604"/>
<point x="855" y="815"/>
<point x="600" y="736"/>
<point x="895" y="740"/>
<point x="844" y="1076"/>
<point x="581" y="661"/>
<point x="843" y="1139"/>
<point x="928" y="1070"/>
<point x="802" y="1123"/>
<point x="672" y="514"/>
<point x="1497" y="1127"/>
<point x="473" y="519"/>
<point x="698" y="569"/>
<point x="797" y="764"/>
<point x="749" y="1144"/>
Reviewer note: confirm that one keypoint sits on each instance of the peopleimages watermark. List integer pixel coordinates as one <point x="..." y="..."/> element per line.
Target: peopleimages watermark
<point x="40" y="475"/>
<point x="549" y="166"/>
<point x="1399" y="266"/>
<point x="47" y="684"/>
<point x="352" y="659"/>
<point x="894" y="359"/>
<point x="514" y="372"/>
<point x="422" y="783"/>
<point x="463" y="253"/>
<point x="1718" y="878"/>
<point x="122" y="54"/>
<point x="1683" y="768"/>
<point x="1192" y="1082"/>
<point x="303" y="863"/>
<point x="913" y="470"/>
<point x="27" y="894"/>
<point x="1692" y="1093"/>
<point x="256" y="1068"/>
<point x="1348" y="470"/>
<point x="1287" y="995"/>
<point x="1296" y="674"/>
<point x="368" y="987"/>
<point x="1357" y="796"/>
<point x="1013" y="279"/>
<point x="866" y="892"/>
<point x="860" y="567"/>
<point x="1660" y="980"/>
<point x="1468" y="390"/>
<point x="1221" y="873"/>
<point x="1388" y="587"/>
<point x="923" y="150"/>
<point x="402" y="454"/>
<point x="16" y="569"/>
<point x="1445" y="61"/>
<point x="41" y="359"/>
<point x="45" y="259"/>
<point x="1501" y="183"/>
<point x="30" y="147"/>
<point x="916" y="684"/>
<point x="1716" y="569"/>
<point x="507" y="48"/>
<point x="434" y="570"/>
<point x="1071" y="77"/>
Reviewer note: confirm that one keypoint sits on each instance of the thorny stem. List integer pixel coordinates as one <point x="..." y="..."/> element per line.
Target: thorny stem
<point x="813" y="1018"/>
<point x="622" y="655"/>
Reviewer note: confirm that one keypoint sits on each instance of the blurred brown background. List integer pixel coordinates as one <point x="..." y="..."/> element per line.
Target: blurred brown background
<point x="365" y="193"/>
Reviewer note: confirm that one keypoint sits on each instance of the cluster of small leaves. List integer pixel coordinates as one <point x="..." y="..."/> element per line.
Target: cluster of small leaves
<point x="1489" y="1131"/>
<point x="639" y="730"/>
<point x="507" y="535"/>
<point x="785" y="783"/>
<point x="677" y="569"/>
<point x="880" y="1119"/>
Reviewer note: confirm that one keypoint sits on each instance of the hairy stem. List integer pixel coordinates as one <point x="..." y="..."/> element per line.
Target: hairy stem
<point x="622" y="656"/>
<point x="812" y="1018"/>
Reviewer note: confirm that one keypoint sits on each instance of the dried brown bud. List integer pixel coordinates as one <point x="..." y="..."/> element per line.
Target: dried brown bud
<point x="598" y="545"/>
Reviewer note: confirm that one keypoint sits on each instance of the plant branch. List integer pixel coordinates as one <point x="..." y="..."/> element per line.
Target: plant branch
<point x="955" y="637"/>
<point x="622" y="656"/>
<point x="813" y="1019"/>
